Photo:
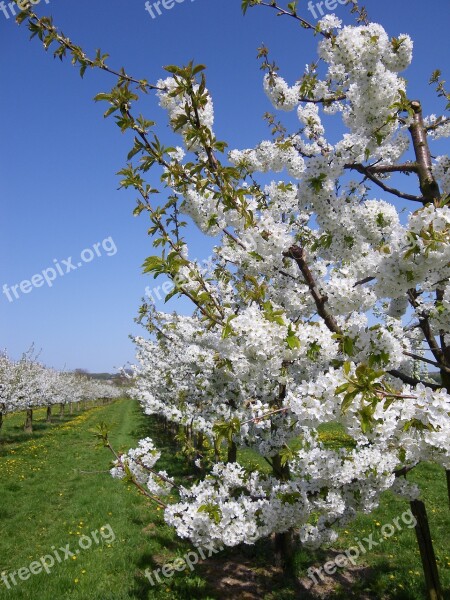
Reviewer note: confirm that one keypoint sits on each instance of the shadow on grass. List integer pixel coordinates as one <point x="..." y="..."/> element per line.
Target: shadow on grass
<point x="353" y="582"/>
<point x="185" y="585"/>
<point x="249" y="573"/>
<point x="14" y="435"/>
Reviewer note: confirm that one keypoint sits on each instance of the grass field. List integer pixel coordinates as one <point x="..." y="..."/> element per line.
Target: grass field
<point x="55" y="493"/>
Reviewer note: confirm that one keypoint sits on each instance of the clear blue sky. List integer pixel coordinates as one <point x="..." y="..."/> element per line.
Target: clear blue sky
<point x="58" y="157"/>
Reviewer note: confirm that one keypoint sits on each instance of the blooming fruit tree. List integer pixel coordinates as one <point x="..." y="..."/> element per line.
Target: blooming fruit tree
<point x="26" y="385"/>
<point x="324" y="302"/>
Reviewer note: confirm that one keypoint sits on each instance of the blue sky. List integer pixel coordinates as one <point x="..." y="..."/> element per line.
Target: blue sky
<point x="58" y="157"/>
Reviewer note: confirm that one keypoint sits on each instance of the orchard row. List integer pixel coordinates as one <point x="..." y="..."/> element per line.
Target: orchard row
<point x="26" y="384"/>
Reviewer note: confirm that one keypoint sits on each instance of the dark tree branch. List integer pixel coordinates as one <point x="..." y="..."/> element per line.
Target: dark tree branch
<point x="298" y="254"/>
<point x="365" y="280"/>
<point x="413" y="380"/>
<point x="329" y="100"/>
<point x="408" y="167"/>
<point x="424" y="324"/>
<point x="403" y="472"/>
<point x="285" y="13"/>
<point x="367" y="172"/>
<point x="438" y="123"/>
<point x="428" y="361"/>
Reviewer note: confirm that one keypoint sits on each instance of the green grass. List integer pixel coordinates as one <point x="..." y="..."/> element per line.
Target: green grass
<point x="47" y="502"/>
<point x="54" y="489"/>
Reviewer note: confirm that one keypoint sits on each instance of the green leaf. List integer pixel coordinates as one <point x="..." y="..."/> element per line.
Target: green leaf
<point x="348" y="345"/>
<point x="228" y="330"/>
<point x="348" y="400"/>
<point x="102" y="96"/>
<point x="171" y="294"/>
<point x="153" y="263"/>
<point x="367" y="420"/>
<point x="286" y="454"/>
<point x="246" y="3"/>
<point x="293" y="342"/>
<point x="173" y="69"/>
<point x="197" y="69"/>
<point x="256" y="256"/>
<point x="272" y="315"/>
<point x="342" y="388"/>
<point x="313" y="351"/>
<point x="316" y="183"/>
<point x="212" y="510"/>
<point x="226" y="430"/>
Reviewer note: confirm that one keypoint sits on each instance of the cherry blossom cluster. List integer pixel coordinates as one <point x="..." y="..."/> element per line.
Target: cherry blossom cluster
<point x="323" y="304"/>
<point x="138" y="464"/>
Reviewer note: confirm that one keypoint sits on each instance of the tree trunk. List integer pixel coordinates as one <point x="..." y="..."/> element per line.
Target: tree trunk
<point x="232" y="453"/>
<point x="49" y="414"/>
<point x="199" y="439"/>
<point x="61" y="411"/>
<point x="284" y="552"/>
<point x="434" y="589"/>
<point x="284" y="542"/>
<point x="28" y="427"/>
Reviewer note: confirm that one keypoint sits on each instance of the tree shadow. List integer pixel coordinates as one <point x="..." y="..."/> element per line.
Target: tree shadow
<point x="15" y="435"/>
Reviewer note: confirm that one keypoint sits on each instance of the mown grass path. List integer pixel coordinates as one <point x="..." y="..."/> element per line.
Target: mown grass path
<point x="46" y="502"/>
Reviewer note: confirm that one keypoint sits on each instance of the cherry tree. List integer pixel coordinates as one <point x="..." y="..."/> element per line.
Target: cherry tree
<point x="23" y="385"/>
<point x="323" y="302"/>
<point x="30" y="387"/>
<point x="6" y="378"/>
<point x="60" y="391"/>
